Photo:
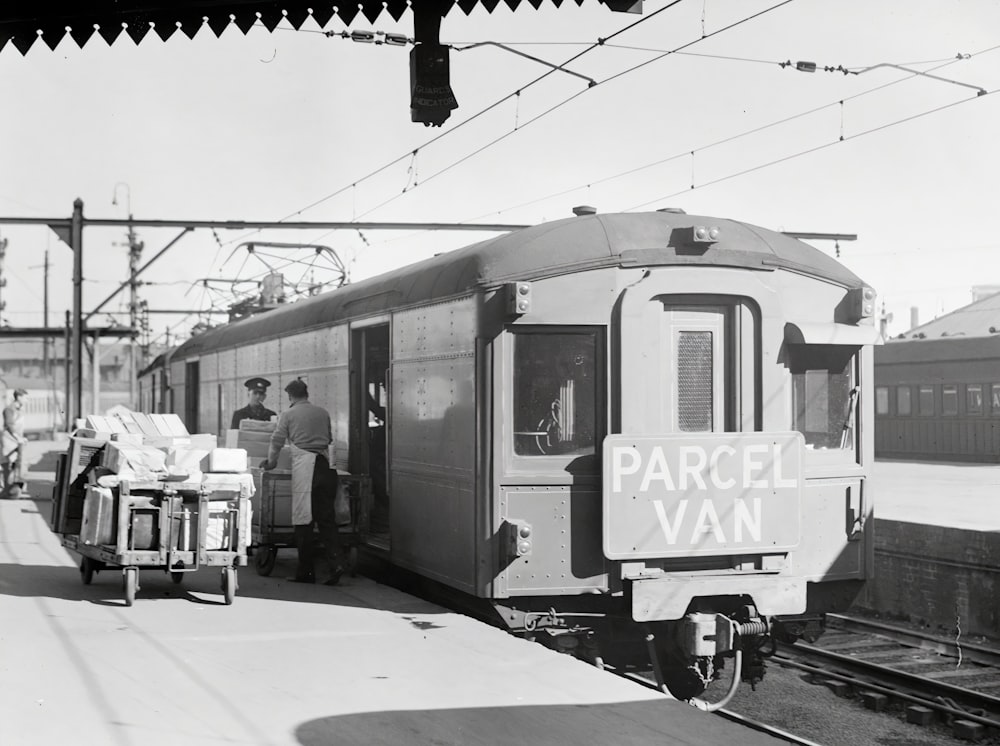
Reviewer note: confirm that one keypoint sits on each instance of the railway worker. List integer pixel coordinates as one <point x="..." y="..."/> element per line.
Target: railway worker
<point x="255" y="410"/>
<point x="306" y="427"/>
<point x="12" y="440"/>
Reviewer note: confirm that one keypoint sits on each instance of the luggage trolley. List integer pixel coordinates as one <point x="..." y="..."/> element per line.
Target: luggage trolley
<point x="272" y="527"/>
<point x="150" y="524"/>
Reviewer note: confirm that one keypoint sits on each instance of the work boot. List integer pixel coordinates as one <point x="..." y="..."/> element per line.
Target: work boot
<point x="304" y="573"/>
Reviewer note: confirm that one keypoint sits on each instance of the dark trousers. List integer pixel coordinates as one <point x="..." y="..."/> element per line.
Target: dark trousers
<point x="324" y="490"/>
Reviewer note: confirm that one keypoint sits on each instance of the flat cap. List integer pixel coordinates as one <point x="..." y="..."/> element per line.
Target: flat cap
<point x="297" y="388"/>
<point x="257" y="384"/>
<point x="21" y="392"/>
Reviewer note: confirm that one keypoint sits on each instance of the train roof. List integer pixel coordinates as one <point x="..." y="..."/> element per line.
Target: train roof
<point x="549" y="249"/>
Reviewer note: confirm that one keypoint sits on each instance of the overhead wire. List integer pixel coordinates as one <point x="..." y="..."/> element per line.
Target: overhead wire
<point x="817" y="148"/>
<point x="412" y="152"/>
<point x="576" y="95"/>
<point x="686" y="153"/>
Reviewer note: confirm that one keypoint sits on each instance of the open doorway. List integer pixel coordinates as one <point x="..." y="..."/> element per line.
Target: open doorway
<point x="370" y="420"/>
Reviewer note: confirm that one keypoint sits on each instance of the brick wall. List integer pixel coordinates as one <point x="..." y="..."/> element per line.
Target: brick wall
<point x="946" y="578"/>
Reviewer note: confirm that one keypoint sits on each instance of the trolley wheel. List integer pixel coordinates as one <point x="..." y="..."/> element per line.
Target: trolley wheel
<point x="130" y="579"/>
<point x="264" y="559"/>
<point x="177" y="575"/>
<point x="352" y="561"/>
<point x="229" y="584"/>
<point x="87" y="569"/>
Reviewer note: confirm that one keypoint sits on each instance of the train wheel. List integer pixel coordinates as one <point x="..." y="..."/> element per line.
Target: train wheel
<point x="130" y="576"/>
<point x="264" y="559"/>
<point x="177" y="575"/>
<point x="87" y="570"/>
<point x="229" y="584"/>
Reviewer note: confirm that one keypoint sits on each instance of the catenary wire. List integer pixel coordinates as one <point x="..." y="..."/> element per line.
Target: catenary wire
<point x="473" y="117"/>
<point x="687" y="152"/>
<point x="576" y="95"/>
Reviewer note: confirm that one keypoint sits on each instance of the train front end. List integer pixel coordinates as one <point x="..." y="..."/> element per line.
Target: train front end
<point x="734" y="493"/>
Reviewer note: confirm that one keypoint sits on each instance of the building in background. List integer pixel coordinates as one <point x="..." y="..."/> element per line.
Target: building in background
<point x="24" y="363"/>
<point x="937" y="386"/>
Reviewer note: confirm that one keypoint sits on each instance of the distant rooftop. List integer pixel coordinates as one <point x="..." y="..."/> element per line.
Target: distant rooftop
<point x="980" y="318"/>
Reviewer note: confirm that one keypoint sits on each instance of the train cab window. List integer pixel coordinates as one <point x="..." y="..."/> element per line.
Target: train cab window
<point x="974" y="398"/>
<point x="926" y="401"/>
<point x="881" y="400"/>
<point x="824" y="395"/>
<point x="995" y="398"/>
<point x="904" y="407"/>
<point x="555" y="393"/>
<point x="949" y="400"/>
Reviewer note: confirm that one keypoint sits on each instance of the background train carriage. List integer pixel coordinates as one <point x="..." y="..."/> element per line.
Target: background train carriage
<point x="938" y="388"/>
<point x="478" y="387"/>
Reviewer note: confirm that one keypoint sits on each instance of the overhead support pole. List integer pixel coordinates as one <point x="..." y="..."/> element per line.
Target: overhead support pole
<point x="138" y="272"/>
<point x="76" y="376"/>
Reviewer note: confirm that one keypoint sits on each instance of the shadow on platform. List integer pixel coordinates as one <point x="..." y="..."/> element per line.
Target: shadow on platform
<point x="653" y="721"/>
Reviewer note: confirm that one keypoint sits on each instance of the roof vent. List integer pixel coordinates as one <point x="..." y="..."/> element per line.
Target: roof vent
<point x="584" y="210"/>
<point x="674" y="210"/>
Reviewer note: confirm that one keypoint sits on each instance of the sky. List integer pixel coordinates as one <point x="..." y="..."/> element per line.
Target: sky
<point x="300" y="125"/>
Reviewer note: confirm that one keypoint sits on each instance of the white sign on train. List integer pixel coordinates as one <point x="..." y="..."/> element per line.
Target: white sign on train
<point x="701" y="493"/>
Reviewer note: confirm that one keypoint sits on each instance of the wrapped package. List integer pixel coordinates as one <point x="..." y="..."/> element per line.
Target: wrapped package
<point x="226" y="460"/>
<point x="142" y="460"/>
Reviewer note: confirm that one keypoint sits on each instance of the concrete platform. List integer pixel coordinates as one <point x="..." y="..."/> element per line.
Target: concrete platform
<point x="360" y="663"/>
<point x="937" y="547"/>
<point x="953" y="495"/>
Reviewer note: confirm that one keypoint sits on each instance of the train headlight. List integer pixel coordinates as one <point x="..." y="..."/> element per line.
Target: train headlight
<point x="700" y="235"/>
<point x="518" y="298"/>
<point x="520" y="538"/>
<point x="861" y="302"/>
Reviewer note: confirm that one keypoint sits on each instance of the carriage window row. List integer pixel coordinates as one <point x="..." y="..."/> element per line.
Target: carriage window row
<point x="922" y="400"/>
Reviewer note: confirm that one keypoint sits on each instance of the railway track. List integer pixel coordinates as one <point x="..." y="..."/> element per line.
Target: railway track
<point x="935" y="679"/>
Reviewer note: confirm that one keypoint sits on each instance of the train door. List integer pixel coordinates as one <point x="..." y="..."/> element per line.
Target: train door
<point x="693" y="360"/>
<point x="370" y="419"/>
<point x="688" y="367"/>
<point x="191" y="400"/>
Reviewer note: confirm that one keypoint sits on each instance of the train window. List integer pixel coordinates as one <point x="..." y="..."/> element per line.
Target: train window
<point x="926" y="401"/>
<point x="903" y="406"/>
<point x="824" y="394"/>
<point x="695" y="411"/>
<point x="949" y="400"/>
<point x="974" y="398"/>
<point x="555" y="393"/>
<point x="881" y="400"/>
<point x="995" y="398"/>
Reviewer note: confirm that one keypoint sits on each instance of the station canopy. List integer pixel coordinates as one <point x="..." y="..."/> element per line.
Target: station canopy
<point x="23" y="23"/>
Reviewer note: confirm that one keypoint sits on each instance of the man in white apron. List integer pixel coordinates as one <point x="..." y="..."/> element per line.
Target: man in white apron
<point x="306" y="427"/>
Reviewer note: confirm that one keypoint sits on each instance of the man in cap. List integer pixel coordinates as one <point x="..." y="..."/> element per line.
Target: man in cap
<point x="255" y="410"/>
<point x="307" y="429"/>
<point x="11" y="441"/>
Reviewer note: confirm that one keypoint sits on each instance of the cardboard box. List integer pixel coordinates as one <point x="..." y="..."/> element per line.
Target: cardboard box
<point x="256" y="426"/>
<point x="120" y="458"/>
<point x="129" y="439"/>
<point x="99" y="514"/>
<point x="221" y="528"/>
<point x="186" y="458"/>
<point x="230" y="460"/>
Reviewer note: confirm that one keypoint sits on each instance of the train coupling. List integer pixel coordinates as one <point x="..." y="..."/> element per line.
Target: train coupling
<point x="714" y="634"/>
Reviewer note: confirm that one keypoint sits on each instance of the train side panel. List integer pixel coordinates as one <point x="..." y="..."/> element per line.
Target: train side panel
<point x="433" y="438"/>
<point x="550" y="364"/>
